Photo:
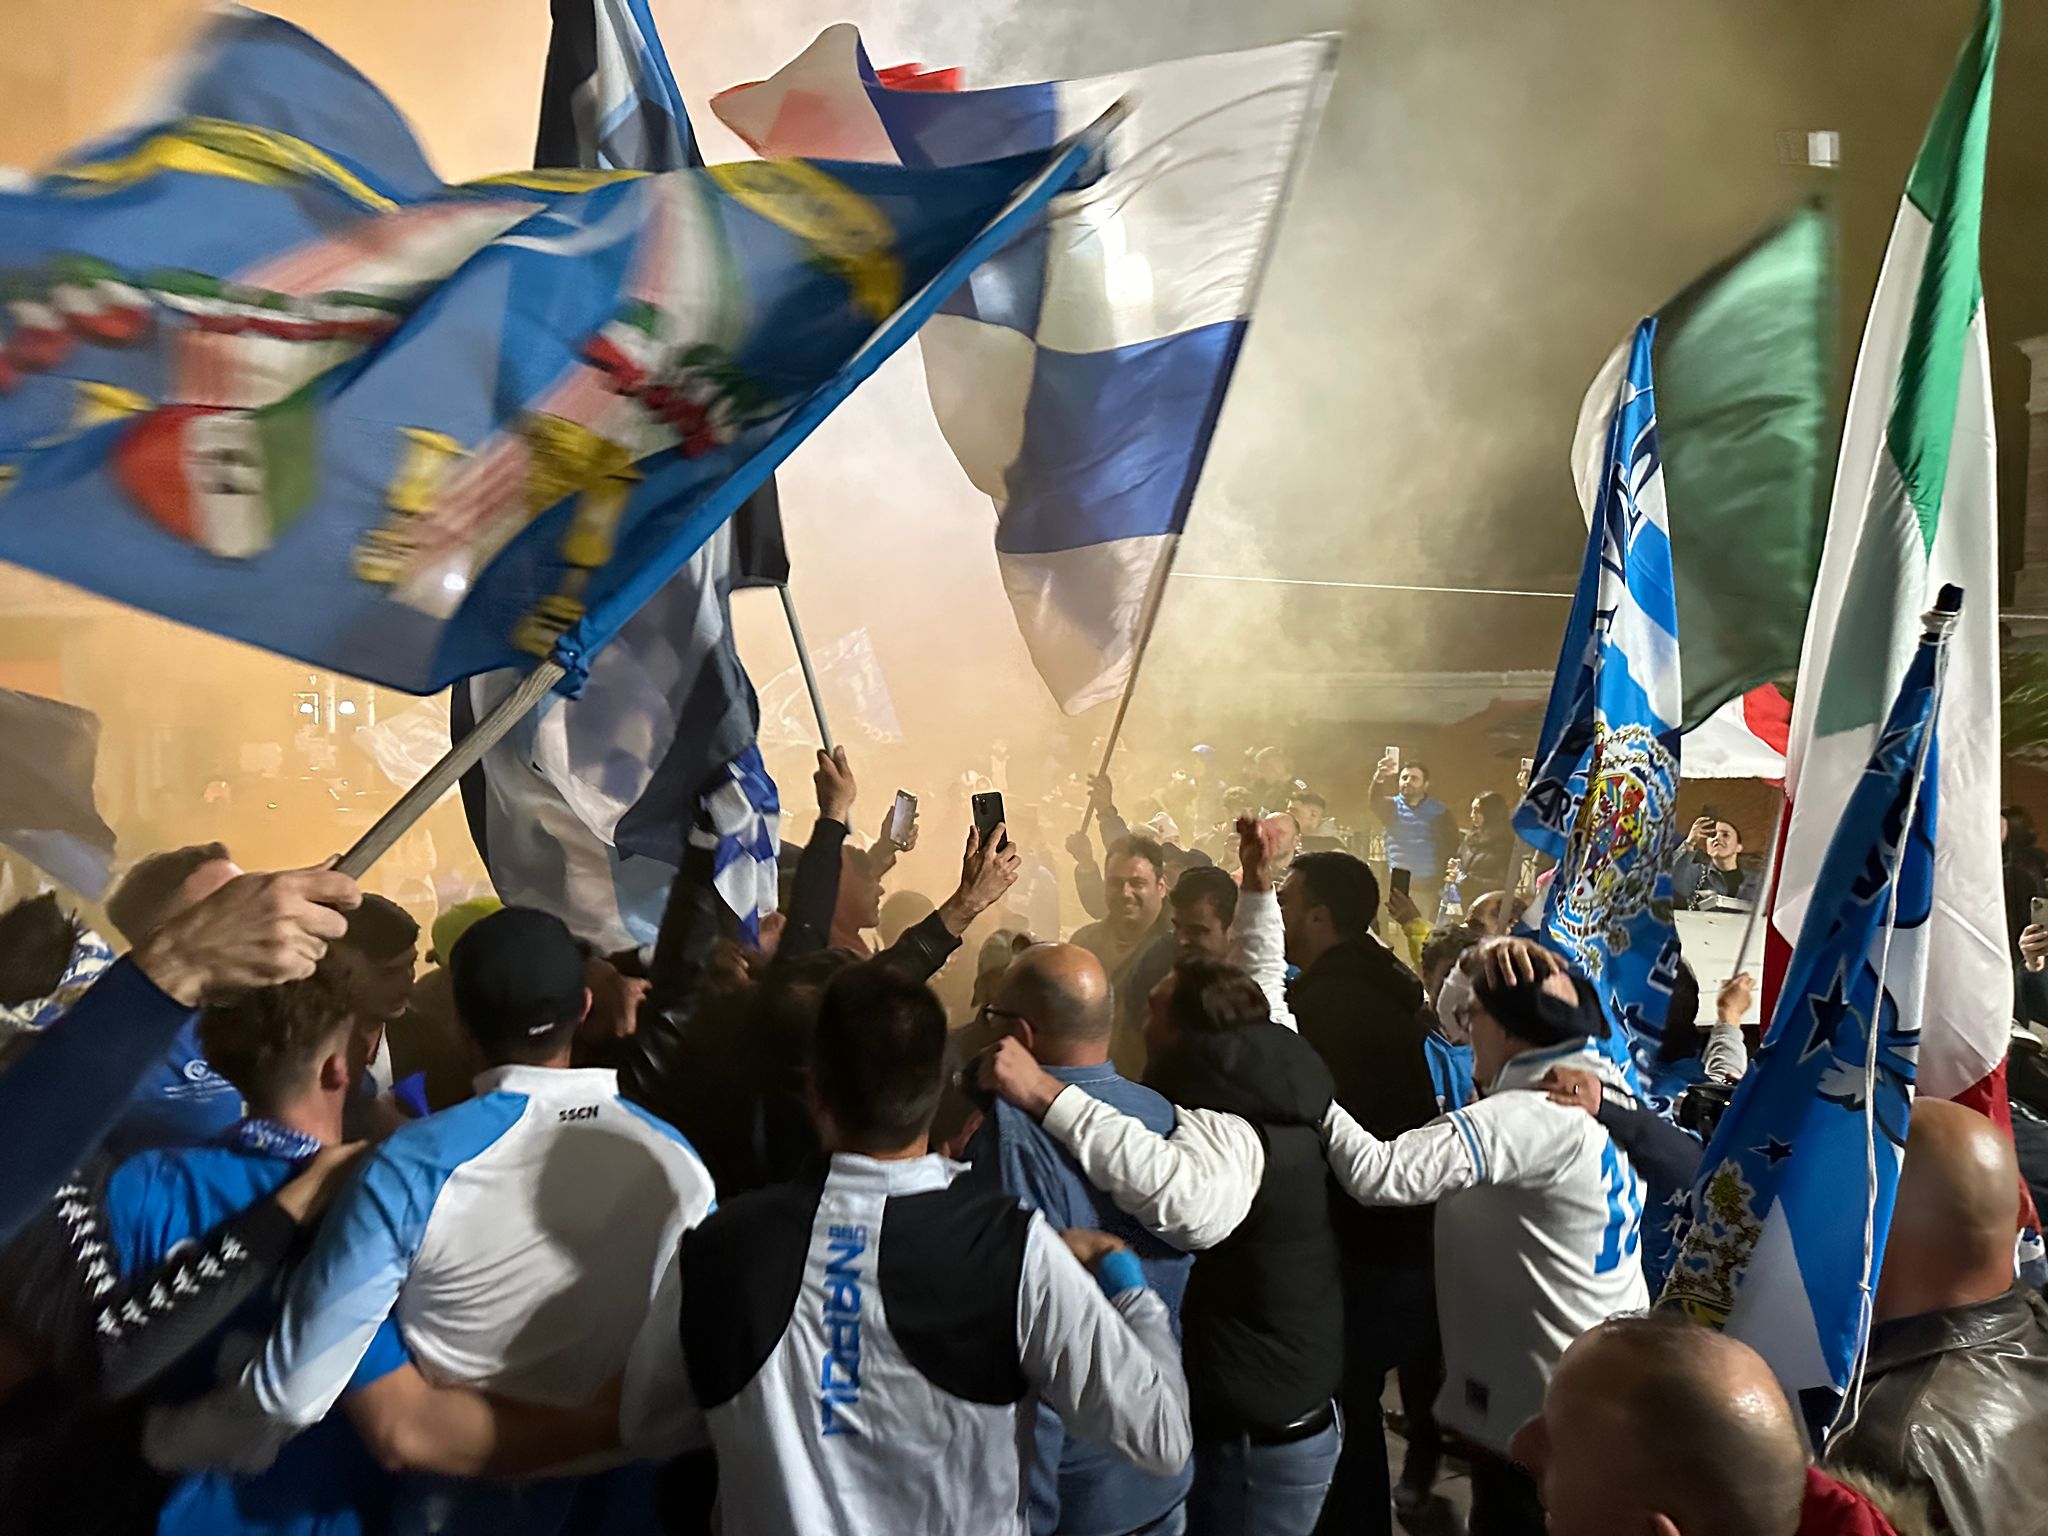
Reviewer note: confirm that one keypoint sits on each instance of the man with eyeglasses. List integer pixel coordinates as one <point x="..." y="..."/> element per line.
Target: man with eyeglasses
<point x="1055" y="1000"/>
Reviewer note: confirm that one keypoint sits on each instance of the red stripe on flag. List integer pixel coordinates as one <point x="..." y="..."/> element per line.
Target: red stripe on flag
<point x="1768" y="714"/>
<point x="915" y="77"/>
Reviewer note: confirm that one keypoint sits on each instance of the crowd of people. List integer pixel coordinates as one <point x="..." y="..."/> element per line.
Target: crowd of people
<point x="928" y="1212"/>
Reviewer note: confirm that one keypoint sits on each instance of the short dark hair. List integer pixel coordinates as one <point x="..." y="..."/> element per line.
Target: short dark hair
<point x="877" y="1058"/>
<point x="1210" y="997"/>
<point x="379" y="928"/>
<point x="1417" y="764"/>
<point x="1444" y="945"/>
<point x="36" y="940"/>
<point x="1308" y="797"/>
<point x="1205" y="882"/>
<point x="1493" y="808"/>
<point x="1343" y="883"/>
<point x="1138" y="846"/>
<point x="267" y="1041"/>
<point x="136" y="907"/>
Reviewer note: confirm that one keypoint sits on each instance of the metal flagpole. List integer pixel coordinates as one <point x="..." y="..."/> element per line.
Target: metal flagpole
<point x="461" y="757"/>
<point x="803" y="657"/>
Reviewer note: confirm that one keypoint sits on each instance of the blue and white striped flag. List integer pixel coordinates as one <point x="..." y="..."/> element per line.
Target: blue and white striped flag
<point x="1604" y="789"/>
<point x="1079" y="374"/>
<point x="584" y="810"/>
<point x="1794" y="1196"/>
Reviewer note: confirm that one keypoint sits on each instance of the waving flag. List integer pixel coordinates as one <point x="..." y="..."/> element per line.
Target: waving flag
<point x="1604" y="787"/>
<point x="585" y="813"/>
<point x="262" y="373"/>
<point x="48" y="753"/>
<point x="850" y="677"/>
<point x="1915" y="509"/>
<point x="1743" y="739"/>
<point x="1794" y="1195"/>
<point x="1079" y="377"/>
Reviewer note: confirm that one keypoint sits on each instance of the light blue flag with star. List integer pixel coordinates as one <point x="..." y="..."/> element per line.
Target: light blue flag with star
<point x="1795" y="1192"/>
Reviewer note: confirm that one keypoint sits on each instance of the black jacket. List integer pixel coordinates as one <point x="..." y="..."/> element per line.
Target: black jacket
<point x="1262" y="1325"/>
<point x="1955" y="1406"/>
<point x="1362" y="1011"/>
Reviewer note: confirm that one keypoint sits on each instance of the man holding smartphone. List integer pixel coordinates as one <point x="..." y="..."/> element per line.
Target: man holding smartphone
<point x="1418" y="826"/>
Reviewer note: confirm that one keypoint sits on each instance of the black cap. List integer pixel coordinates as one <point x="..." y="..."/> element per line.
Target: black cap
<point x="1529" y="1013"/>
<point x="517" y="977"/>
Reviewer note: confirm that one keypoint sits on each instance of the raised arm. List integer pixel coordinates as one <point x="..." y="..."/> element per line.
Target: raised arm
<point x="1418" y="1167"/>
<point x="815" y="893"/>
<point x="986" y="873"/>
<point x="1100" y="1349"/>
<point x="1258" y="943"/>
<point x="64" y="1093"/>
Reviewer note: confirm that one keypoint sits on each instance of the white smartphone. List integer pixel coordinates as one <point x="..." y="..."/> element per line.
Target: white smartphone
<point x="903" y="818"/>
<point x="1391" y="755"/>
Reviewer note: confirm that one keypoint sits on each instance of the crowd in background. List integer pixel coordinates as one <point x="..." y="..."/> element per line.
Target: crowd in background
<point x="1109" y="1185"/>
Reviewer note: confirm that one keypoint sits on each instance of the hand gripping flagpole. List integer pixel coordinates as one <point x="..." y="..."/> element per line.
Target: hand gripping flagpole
<point x="439" y="779"/>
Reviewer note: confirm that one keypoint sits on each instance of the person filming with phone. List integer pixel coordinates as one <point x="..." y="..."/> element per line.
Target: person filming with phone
<point x="1418" y="826"/>
<point x="1709" y="866"/>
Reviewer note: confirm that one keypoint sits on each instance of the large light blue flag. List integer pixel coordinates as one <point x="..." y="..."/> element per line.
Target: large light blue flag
<point x="1080" y="376"/>
<point x="1604" y="788"/>
<point x="263" y="373"/>
<point x="1794" y="1195"/>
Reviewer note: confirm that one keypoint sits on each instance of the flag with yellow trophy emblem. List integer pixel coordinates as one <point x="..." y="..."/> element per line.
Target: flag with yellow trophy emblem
<point x="263" y="373"/>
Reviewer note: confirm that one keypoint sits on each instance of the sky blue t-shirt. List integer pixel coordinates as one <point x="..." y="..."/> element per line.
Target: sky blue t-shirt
<point x="324" y="1482"/>
<point x="1079" y="1487"/>
<point x="1418" y="836"/>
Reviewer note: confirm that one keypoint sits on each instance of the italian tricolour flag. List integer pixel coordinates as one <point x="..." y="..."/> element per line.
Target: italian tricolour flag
<point x="1915" y="508"/>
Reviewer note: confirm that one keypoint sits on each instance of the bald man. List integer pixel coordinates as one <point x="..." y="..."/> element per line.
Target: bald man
<point x="1055" y="999"/>
<point x="1955" y="1400"/>
<point x="1657" y="1426"/>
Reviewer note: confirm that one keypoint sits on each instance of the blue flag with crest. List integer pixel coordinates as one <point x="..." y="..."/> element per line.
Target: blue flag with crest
<point x="263" y="373"/>
<point x="1603" y="790"/>
<point x="1794" y="1195"/>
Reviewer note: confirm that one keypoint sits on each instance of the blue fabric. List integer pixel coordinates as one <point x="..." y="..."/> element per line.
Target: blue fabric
<point x="323" y="1483"/>
<point x="1241" y="1489"/>
<point x="1794" y="1147"/>
<point x="1603" y="794"/>
<point x="1418" y="836"/>
<point x="330" y="541"/>
<point x="1450" y="1071"/>
<point x="1119" y="1272"/>
<point x="180" y="1102"/>
<point x="1113" y="441"/>
<point x="1079" y="1487"/>
<point x="68" y="1090"/>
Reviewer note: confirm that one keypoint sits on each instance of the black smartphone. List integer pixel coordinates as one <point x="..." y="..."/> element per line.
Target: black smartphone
<point x="988" y="815"/>
<point x="1401" y="877"/>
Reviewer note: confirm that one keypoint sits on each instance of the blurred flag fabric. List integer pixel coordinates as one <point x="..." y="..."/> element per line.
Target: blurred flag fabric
<point x="1080" y="374"/>
<point x="1743" y="739"/>
<point x="1745" y="366"/>
<point x="48" y="754"/>
<point x="1603" y="791"/>
<point x="568" y="811"/>
<point x="1915" y="509"/>
<point x="850" y="677"/>
<point x="406" y="744"/>
<point x="1794" y="1195"/>
<point x="263" y="373"/>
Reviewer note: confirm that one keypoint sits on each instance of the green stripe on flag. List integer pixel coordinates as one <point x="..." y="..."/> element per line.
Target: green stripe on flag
<point x="1745" y="361"/>
<point x="1947" y="186"/>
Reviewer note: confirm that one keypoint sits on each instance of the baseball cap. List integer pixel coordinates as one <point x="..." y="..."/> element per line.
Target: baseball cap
<point x="517" y="976"/>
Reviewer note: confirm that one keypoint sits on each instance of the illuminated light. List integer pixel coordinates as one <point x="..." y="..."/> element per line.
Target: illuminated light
<point x="455" y="581"/>
<point x="345" y="707"/>
<point x="306" y="708"/>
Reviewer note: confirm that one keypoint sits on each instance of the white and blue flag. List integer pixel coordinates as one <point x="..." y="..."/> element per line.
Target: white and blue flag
<point x="1794" y="1195"/>
<point x="1604" y="788"/>
<point x="584" y="809"/>
<point x="1079" y="374"/>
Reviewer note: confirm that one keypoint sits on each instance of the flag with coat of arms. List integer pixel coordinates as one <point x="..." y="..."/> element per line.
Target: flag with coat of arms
<point x="1794" y="1195"/>
<point x="1603" y="789"/>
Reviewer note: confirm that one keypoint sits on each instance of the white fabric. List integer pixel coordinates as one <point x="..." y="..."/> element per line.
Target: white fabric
<point x="979" y="376"/>
<point x="1722" y="746"/>
<point x="1875" y="554"/>
<point x="1081" y="610"/>
<point x="1258" y="947"/>
<point x="1192" y="1189"/>
<point x="1111" y="1370"/>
